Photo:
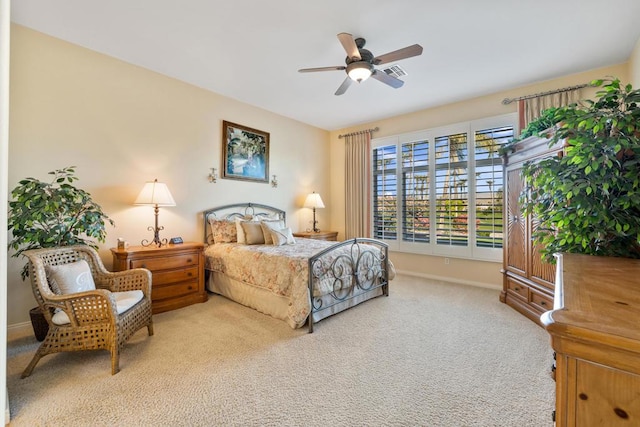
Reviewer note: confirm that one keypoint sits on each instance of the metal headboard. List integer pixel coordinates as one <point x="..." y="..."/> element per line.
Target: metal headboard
<point x="240" y="210"/>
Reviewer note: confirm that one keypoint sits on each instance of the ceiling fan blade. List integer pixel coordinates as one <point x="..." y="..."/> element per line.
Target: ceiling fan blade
<point x="344" y="86"/>
<point x="396" y="55"/>
<point x="311" y="70"/>
<point x="349" y="45"/>
<point x="385" y="78"/>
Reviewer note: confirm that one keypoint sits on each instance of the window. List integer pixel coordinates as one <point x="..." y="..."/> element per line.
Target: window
<point x="415" y="194"/>
<point x="440" y="191"/>
<point x="452" y="202"/>
<point x="490" y="185"/>
<point x="385" y="193"/>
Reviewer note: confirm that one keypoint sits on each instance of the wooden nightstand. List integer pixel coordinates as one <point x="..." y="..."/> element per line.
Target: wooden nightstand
<point x="321" y="235"/>
<point x="177" y="272"/>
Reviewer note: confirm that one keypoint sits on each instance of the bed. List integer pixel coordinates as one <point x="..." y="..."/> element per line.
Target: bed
<point x="300" y="281"/>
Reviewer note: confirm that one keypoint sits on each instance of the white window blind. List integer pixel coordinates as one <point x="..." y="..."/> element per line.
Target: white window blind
<point x="490" y="185"/>
<point x="415" y="192"/>
<point x="440" y="191"/>
<point x="385" y="193"/>
<point x="452" y="199"/>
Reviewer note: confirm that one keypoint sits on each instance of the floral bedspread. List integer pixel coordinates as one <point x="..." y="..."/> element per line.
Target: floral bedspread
<point x="282" y="270"/>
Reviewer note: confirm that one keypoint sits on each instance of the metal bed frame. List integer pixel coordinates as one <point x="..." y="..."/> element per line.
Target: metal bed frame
<point x="350" y="269"/>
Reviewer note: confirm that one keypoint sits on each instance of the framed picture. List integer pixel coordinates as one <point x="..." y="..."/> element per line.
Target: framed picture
<point x="245" y="153"/>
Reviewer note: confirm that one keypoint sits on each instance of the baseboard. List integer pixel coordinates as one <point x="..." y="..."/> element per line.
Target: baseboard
<point x="451" y="280"/>
<point x="19" y="330"/>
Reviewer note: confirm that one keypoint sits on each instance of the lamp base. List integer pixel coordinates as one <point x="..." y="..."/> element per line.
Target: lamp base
<point x="315" y="223"/>
<point x="156" y="238"/>
<point x="156" y="233"/>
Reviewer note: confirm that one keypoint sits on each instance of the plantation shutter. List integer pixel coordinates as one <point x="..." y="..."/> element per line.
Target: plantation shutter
<point x="385" y="193"/>
<point x="490" y="185"/>
<point x="452" y="195"/>
<point x="415" y="194"/>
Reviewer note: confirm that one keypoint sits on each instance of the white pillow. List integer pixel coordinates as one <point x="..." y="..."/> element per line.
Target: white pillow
<point x="124" y="301"/>
<point x="268" y="225"/>
<point x="282" y="237"/>
<point x="71" y="278"/>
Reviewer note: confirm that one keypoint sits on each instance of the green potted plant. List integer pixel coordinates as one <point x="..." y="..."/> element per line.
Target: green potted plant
<point x="588" y="200"/>
<point x="535" y="127"/>
<point x="53" y="214"/>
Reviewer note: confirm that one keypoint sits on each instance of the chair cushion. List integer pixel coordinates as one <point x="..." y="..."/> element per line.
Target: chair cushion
<point x="72" y="278"/>
<point x="124" y="301"/>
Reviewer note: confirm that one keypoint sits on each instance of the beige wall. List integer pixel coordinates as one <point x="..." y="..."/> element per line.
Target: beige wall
<point x="468" y="271"/>
<point x="634" y="66"/>
<point x="122" y="125"/>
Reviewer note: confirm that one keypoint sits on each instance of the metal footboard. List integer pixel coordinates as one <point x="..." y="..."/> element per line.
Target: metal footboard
<point x="346" y="271"/>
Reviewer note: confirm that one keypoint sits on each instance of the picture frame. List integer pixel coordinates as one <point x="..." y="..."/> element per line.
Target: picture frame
<point x="245" y="153"/>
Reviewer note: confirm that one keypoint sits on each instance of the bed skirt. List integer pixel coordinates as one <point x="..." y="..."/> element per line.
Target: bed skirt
<point x="274" y="305"/>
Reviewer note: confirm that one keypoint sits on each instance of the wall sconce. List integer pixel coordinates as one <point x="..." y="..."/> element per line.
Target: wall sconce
<point x="274" y="181"/>
<point x="213" y="176"/>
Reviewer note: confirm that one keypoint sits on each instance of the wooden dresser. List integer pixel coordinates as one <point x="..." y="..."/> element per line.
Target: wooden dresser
<point x="528" y="281"/>
<point x="595" y="332"/>
<point x="177" y="272"/>
<point x="320" y="235"/>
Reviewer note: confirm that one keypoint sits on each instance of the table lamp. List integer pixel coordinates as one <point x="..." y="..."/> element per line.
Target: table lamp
<point x="156" y="194"/>
<point x="314" y="201"/>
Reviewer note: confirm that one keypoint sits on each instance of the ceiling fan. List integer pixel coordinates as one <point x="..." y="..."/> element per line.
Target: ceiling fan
<point x="360" y="63"/>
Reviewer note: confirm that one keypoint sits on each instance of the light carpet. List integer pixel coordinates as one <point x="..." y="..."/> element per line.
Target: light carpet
<point x="430" y="354"/>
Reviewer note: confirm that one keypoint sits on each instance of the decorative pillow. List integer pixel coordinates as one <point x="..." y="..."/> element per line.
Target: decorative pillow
<point x="223" y="231"/>
<point x="267" y="226"/>
<point x="124" y="301"/>
<point x="252" y="232"/>
<point x="240" y="231"/>
<point x="71" y="278"/>
<point x="210" y="220"/>
<point x="282" y="236"/>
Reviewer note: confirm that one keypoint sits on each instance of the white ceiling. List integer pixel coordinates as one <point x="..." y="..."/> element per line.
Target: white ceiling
<point x="250" y="50"/>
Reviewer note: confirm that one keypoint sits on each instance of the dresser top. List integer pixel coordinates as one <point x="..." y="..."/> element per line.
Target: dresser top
<point x="155" y="249"/>
<point x="600" y="301"/>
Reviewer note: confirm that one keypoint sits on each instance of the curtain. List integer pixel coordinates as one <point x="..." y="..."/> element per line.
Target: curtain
<point x="358" y="185"/>
<point x="530" y="109"/>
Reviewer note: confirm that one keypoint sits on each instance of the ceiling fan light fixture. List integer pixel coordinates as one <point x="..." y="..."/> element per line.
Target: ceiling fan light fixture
<point x="359" y="71"/>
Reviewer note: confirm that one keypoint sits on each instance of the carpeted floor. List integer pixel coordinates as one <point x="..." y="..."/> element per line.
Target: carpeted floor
<point x="431" y="354"/>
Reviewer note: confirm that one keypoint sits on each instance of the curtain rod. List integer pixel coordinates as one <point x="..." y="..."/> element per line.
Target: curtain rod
<point x="551" y="92"/>
<point x="375" y="129"/>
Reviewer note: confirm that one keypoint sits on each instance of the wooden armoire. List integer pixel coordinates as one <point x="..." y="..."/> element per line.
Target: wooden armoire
<point x="528" y="281"/>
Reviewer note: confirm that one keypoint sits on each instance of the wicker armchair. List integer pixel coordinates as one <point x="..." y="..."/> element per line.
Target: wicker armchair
<point x="93" y="319"/>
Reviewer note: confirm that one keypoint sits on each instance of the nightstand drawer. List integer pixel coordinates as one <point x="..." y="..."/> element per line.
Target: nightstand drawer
<point x="165" y="263"/>
<point x="173" y="276"/>
<point x="177" y="272"/>
<point x="174" y="290"/>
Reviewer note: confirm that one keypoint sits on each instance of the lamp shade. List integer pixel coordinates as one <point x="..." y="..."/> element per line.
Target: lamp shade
<point x="313" y="201"/>
<point x="155" y="193"/>
<point x="359" y="71"/>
